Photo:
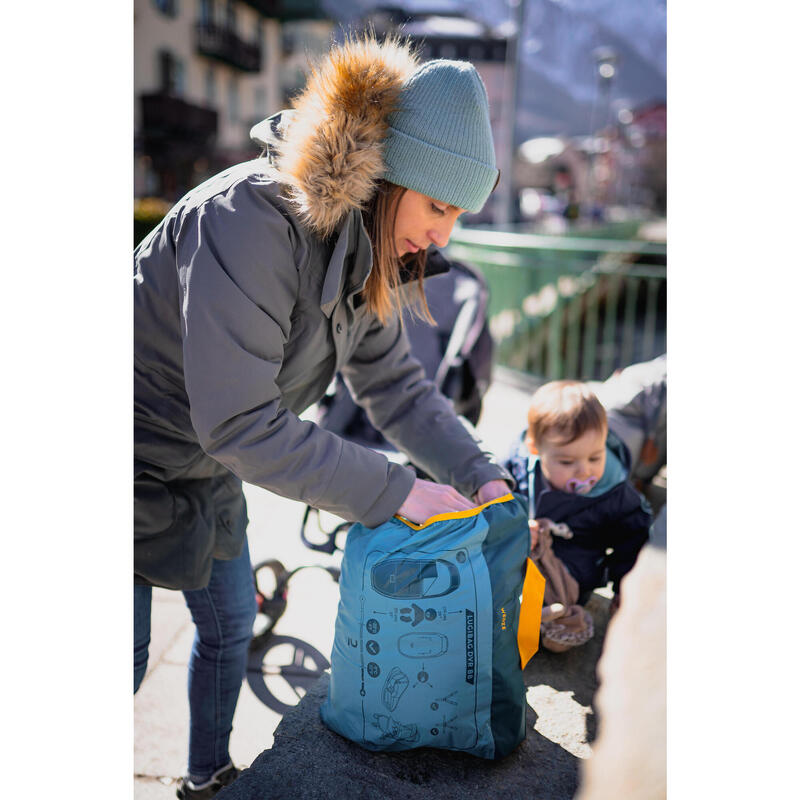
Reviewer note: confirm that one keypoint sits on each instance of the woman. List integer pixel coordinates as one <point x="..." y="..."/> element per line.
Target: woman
<point x="254" y="290"/>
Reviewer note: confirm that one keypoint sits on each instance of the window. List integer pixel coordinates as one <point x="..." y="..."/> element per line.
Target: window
<point x="169" y="8"/>
<point x="233" y="100"/>
<point x="211" y="87"/>
<point x="260" y="102"/>
<point x="170" y="74"/>
<point x="180" y="78"/>
<point x="206" y="12"/>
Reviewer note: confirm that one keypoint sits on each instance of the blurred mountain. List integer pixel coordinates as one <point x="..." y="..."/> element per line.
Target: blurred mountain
<point x="558" y="86"/>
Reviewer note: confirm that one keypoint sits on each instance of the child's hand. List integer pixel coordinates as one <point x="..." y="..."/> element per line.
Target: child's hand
<point x="545" y="525"/>
<point x="533" y="524"/>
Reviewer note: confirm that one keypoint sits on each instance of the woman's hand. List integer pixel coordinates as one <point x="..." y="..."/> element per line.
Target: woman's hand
<point x="491" y="491"/>
<point x="426" y="499"/>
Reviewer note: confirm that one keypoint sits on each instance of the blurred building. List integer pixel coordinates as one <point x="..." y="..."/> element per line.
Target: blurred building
<point x="303" y="41"/>
<point x="647" y="133"/>
<point x="619" y="172"/>
<point x="204" y="72"/>
<point x="629" y="160"/>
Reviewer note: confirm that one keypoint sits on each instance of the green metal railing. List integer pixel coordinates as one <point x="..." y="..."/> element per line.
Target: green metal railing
<point x="565" y="307"/>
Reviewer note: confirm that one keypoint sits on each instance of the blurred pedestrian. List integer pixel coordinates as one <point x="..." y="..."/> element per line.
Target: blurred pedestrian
<point x="252" y="292"/>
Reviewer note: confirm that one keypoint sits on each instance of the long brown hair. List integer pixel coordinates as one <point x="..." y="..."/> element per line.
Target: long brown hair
<point x="382" y="290"/>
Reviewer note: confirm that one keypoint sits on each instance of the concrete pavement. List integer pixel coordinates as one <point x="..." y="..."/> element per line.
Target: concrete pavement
<point x="161" y="710"/>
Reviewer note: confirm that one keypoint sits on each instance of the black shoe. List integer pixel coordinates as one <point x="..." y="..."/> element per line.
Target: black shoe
<point x="187" y="790"/>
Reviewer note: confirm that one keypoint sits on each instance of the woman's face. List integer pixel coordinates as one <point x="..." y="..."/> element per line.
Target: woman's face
<point x="422" y="221"/>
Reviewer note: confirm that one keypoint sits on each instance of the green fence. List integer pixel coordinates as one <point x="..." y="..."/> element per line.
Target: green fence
<point x="565" y="307"/>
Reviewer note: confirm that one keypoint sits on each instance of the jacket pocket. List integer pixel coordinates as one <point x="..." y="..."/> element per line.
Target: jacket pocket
<point x="174" y="533"/>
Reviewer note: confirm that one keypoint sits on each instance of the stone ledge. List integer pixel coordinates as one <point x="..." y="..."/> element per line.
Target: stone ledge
<point x="309" y="761"/>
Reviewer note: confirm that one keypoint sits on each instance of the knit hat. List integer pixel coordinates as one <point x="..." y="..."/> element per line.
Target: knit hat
<point x="440" y="140"/>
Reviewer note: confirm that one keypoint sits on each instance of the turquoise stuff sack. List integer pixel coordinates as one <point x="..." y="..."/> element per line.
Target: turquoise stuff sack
<point x="429" y="648"/>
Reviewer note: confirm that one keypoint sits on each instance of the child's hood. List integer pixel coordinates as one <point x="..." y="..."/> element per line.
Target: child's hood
<point x="617" y="469"/>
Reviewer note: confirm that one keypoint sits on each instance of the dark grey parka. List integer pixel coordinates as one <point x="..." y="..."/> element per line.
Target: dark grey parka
<point x="245" y="306"/>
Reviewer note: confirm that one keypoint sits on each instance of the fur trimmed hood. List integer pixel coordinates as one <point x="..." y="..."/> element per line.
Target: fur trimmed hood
<point x="329" y="149"/>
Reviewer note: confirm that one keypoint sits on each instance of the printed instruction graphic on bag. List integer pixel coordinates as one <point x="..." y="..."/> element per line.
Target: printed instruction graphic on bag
<point x="443" y="586"/>
<point x="424" y="613"/>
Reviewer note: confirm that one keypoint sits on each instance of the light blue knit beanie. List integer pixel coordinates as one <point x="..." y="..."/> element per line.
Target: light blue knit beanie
<point x="440" y="140"/>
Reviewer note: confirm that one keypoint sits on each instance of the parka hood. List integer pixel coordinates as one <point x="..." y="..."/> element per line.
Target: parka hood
<point x="328" y="151"/>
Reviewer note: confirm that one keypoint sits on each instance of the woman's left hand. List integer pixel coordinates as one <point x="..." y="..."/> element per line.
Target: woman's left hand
<point x="491" y="491"/>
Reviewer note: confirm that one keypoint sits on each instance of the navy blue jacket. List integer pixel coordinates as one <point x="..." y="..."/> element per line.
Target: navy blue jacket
<point x="619" y="519"/>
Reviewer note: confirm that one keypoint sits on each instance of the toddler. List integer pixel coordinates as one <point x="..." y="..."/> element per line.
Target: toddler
<point x="585" y="517"/>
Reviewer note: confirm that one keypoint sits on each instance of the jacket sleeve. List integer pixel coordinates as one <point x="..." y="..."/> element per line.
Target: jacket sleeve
<point x="390" y="385"/>
<point x="516" y="462"/>
<point x="238" y="271"/>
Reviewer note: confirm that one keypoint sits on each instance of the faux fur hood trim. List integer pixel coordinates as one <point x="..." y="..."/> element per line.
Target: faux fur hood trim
<point x="332" y="152"/>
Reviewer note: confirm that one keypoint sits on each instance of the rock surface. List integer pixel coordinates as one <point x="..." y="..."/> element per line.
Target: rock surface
<point x="309" y="761"/>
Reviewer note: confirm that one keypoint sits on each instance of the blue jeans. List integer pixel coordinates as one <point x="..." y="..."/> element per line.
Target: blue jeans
<point x="223" y="614"/>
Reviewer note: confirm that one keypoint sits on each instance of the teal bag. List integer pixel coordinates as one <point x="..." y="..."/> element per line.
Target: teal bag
<point x="427" y="649"/>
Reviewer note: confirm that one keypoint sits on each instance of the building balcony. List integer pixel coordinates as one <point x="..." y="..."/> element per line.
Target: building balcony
<point x="169" y="121"/>
<point x="289" y="10"/>
<point x="216" y="41"/>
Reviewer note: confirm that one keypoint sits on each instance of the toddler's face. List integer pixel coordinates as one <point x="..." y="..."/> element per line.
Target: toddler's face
<point x="577" y="466"/>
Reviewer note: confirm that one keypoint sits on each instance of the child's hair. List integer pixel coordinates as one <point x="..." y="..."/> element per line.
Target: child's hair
<point x="566" y="410"/>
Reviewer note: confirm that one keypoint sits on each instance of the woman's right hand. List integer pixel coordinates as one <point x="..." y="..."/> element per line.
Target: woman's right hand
<point x="426" y="499"/>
